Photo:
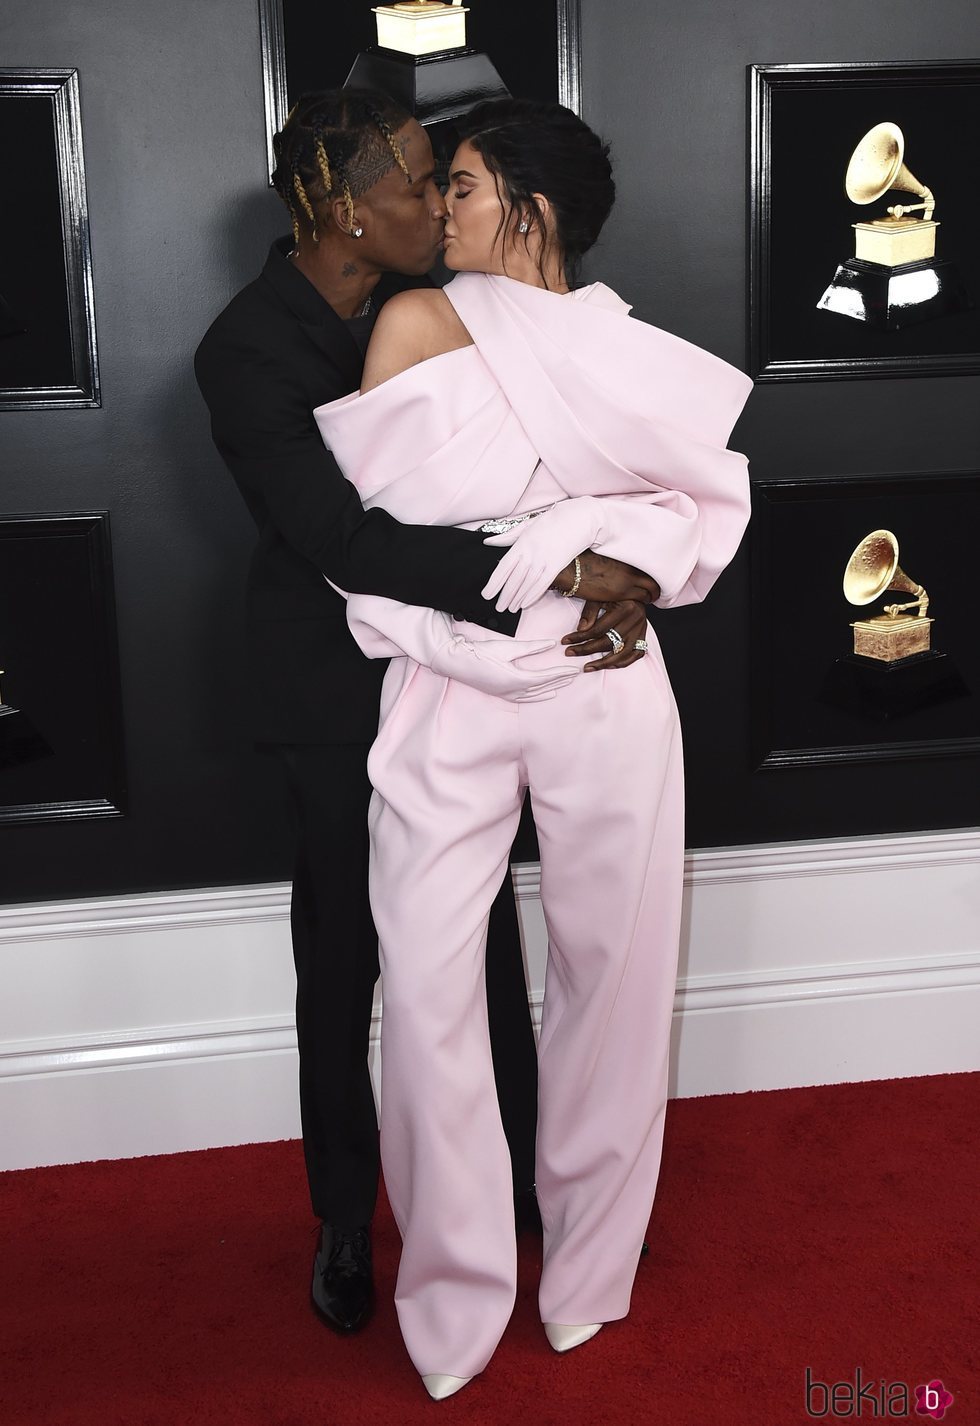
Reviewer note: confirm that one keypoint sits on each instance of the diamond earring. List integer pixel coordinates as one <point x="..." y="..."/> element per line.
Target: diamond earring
<point x="522" y="226"/>
<point x="358" y="233"/>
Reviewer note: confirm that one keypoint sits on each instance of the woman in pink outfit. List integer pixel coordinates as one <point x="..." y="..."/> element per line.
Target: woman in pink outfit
<point x="510" y="394"/>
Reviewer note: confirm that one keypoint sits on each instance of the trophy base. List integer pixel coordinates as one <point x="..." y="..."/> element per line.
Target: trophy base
<point x="20" y="742"/>
<point x="418" y="32"/>
<point x="890" y="298"/>
<point x="434" y="87"/>
<point x="890" y="640"/>
<point x="886" y="691"/>
<point x="892" y="243"/>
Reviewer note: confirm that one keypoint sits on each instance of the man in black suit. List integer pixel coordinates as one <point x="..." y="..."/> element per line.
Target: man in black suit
<point x="357" y="175"/>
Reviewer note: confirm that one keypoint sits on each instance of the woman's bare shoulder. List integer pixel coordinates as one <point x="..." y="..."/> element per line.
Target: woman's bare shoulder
<point x="411" y="327"/>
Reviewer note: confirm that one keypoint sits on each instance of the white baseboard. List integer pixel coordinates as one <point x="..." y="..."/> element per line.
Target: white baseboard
<point x="163" y="1022"/>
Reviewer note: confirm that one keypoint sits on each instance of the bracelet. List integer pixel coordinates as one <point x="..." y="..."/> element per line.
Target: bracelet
<point x="510" y="522"/>
<point x="567" y="593"/>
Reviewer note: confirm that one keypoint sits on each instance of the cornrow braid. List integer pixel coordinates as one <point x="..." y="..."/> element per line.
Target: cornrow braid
<point x="304" y="199"/>
<point x="341" y="141"/>
<point x="385" y="128"/>
<point x="349" y="204"/>
<point x="323" y="161"/>
<point x="277" y="149"/>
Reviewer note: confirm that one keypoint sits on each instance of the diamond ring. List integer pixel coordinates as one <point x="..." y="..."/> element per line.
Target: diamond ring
<point x="641" y="644"/>
<point x="616" y="640"/>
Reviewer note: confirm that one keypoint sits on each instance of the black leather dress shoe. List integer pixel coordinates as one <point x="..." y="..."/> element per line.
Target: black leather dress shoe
<point x="343" y="1288"/>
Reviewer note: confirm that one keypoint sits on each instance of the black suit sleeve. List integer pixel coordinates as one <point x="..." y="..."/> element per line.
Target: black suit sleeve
<point x="270" y="442"/>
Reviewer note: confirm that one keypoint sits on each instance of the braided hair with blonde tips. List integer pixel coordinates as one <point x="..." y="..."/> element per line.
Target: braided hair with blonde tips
<point x="323" y="161"/>
<point x="301" y="195"/>
<point x="338" y="142"/>
<point x="349" y="205"/>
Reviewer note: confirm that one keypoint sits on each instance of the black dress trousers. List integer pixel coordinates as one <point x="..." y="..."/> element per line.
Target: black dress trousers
<point x="336" y="954"/>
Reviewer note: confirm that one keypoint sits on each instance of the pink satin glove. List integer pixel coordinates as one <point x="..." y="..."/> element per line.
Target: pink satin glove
<point x="540" y="549"/>
<point x="490" y="666"/>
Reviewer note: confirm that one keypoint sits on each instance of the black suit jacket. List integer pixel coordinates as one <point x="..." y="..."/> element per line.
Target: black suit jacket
<point x="277" y="351"/>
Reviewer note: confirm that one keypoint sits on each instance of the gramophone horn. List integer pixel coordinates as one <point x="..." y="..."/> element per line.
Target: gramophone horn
<point x="873" y="568"/>
<point x="876" y="165"/>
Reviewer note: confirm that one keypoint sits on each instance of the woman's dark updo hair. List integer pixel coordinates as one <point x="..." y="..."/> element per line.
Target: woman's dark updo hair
<point x="536" y="147"/>
<point x="336" y="143"/>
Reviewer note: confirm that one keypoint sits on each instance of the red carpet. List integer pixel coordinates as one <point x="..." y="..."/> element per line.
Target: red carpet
<point x="833" y="1229"/>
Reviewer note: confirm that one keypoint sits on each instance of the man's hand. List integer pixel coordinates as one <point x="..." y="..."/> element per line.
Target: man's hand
<point x="627" y="617"/>
<point x="607" y="581"/>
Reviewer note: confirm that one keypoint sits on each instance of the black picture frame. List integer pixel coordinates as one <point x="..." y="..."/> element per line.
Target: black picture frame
<point x="802" y="534"/>
<point x="804" y="122"/>
<point x="61" y="754"/>
<point x="534" y="43"/>
<point x="48" y="348"/>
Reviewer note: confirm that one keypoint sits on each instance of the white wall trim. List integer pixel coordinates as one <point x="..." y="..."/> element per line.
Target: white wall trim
<point x="161" y="1021"/>
<point x="173" y="1043"/>
<point x="853" y="855"/>
<point x="885" y="977"/>
<point x="187" y="909"/>
<point x="145" y="911"/>
<point x="764" y="861"/>
<point x="694" y="994"/>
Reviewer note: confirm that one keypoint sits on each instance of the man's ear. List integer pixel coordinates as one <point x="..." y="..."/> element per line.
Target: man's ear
<point x="339" y="215"/>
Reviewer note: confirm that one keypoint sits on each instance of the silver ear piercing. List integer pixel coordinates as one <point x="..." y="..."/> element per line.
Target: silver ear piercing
<point x="358" y="233"/>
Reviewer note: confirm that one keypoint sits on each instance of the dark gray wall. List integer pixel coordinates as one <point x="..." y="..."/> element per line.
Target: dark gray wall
<point x="173" y="125"/>
<point x="181" y="217"/>
<point x="666" y="85"/>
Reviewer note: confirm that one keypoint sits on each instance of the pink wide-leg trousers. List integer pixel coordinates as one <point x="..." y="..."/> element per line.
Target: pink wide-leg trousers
<point x="603" y="763"/>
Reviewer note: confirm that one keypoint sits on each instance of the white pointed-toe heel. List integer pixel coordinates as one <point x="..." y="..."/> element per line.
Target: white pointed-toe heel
<point x="439" y="1386"/>
<point x="564" y="1337"/>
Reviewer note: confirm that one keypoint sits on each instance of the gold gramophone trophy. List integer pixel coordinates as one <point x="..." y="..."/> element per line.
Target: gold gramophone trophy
<point x="872" y="569"/>
<point x="893" y="670"/>
<point x="894" y="278"/>
<point x="422" y="60"/>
